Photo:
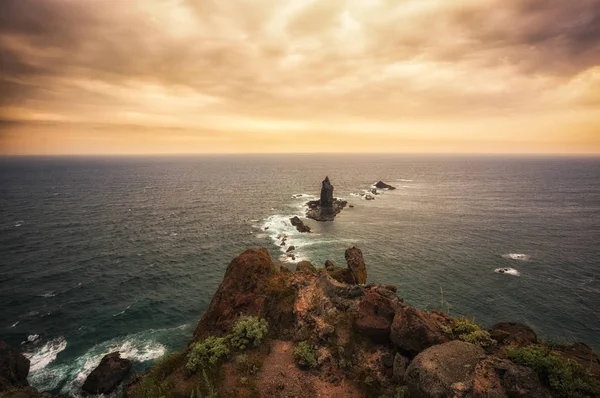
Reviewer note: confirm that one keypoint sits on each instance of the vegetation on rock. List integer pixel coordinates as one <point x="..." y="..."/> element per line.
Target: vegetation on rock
<point x="305" y="355"/>
<point x="469" y="331"/>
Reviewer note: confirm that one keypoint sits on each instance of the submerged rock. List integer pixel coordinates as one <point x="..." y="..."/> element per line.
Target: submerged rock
<point x="108" y="375"/>
<point x="383" y="185"/>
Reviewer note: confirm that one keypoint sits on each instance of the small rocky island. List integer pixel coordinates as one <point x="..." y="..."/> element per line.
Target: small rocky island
<point x="383" y="185"/>
<point x="327" y="207"/>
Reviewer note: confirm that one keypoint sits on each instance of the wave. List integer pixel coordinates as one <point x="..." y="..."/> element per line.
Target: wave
<point x="47" y="353"/>
<point x="19" y="223"/>
<point x="404" y="180"/>
<point x="517" y="256"/>
<point x="47" y="295"/>
<point x="508" y="271"/>
<point x="122" y="312"/>
<point x="15" y="324"/>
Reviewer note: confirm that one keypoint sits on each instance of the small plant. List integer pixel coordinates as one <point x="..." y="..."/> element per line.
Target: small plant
<point x="469" y="331"/>
<point x="207" y="352"/>
<point x="402" y="392"/>
<point x="343" y="363"/>
<point x="305" y="355"/>
<point x="564" y="376"/>
<point x="248" y="331"/>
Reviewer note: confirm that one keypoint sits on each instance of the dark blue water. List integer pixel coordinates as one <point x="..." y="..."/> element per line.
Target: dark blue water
<point x="98" y="254"/>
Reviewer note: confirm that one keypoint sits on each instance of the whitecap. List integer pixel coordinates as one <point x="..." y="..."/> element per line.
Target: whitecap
<point x="47" y="353"/>
<point x="404" y="180"/>
<point x="508" y="271"/>
<point x="19" y="223"/>
<point x="48" y="295"/>
<point x="517" y="256"/>
<point x="122" y="312"/>
<point x="15" y="324"/>
<point x="32" y="337"/>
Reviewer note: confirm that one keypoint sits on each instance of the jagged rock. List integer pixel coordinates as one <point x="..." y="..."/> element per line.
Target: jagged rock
<point x="14" y="368"/>
<point x="500" y="378"/>
<point x="356" y="264"/>
<point x="510" y="333"/>
<point x="329" y="266"/>
<point x="326" y="193"/>
<point x="369" y="197"/>
<point x="327" y="207"/>
<point x="305" y="266"/>
<point x="444" y="370"/>
<point x="343" y="275"/>
<point x="108" y="375"/>
<point x="387" y="360"/>
<point x="375" y="316"/>
<point x="291" y="248"/>
<point x="241" y="291"/>
<point x="383" y="185"/>
<point x="299" y="224"/>
<point x="413" y="331"/>
<point x="400" y="365"/>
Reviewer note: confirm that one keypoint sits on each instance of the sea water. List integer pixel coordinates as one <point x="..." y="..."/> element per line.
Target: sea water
<point x="124" y="253"/>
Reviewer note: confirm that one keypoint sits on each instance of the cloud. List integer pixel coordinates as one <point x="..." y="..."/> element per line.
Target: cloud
<point x="222" y="65"/>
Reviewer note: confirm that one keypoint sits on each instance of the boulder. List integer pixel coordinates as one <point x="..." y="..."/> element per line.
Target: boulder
<point x="299" y="224"/>
<point x="291" y="248"/>
<point x="242" y="291"/>
<point x="356" y="264"/>
<point x="399" y="368"/>
<point x="444" y="370"/>
<point x="329" y="266"/>
<point x="510" y="333"/>
<point x="342" y="275"/>
<point x="383" y="185"/>
<point x="14" y="368"/>
<point x="375" y="316"/>
<point x="108" y="375"/>
<point x="413" y="331"/>
<point x="500" y="378"/>
<point x="305" y="266"/>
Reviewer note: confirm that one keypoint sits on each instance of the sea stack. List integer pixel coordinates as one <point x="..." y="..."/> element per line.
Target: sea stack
<point x="327" y="207"/>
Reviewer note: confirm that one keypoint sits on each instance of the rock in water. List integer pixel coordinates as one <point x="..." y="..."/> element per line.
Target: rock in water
<point x="299" y="224"/>
<point x="327" y="207"/>
<point x="14" y="368"/>
<point x="108" y="375"/>
<point x="326" y="193"/>
<point x="383" y="185"/>
<point x="356" y="264"/>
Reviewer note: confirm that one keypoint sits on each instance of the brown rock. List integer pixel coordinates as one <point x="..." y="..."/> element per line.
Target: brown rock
<point x="241" y="291"/>
<point x="306" y="266"/>
<point x="375" y="316"/>
<point x="444" y="370"/>
<point x="343" y="275"/>
<point x="329" y="266"/>
<point x="356" y="264"/>
<point x="108" y="375"/>
<point x="400" y="365"/>
<point x="299" y="224"/>
<point x="291" y="248"/>
<point x="14" y="368"/>
<point x="413" y="331"/>
<point x="499" y="378"/>
<point x="510" y="333"/>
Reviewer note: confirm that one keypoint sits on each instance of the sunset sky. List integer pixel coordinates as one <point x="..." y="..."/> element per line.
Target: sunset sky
<point x="264" y="76"/>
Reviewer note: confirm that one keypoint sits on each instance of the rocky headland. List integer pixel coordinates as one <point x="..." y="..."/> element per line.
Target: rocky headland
<point x="327" y="207"/>
<point x="326" y="332"/>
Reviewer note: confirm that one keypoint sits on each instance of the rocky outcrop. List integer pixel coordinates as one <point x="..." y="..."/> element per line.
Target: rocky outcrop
<point x="14" y="368"/>
<point x="444" y="370"/>
<point x="515" y="334"/>
<point x="383" y="185"/>
<point x="329" y="266"/>
<point x="500" y="378"/>
<point x="327" y="207"/>
<point x="241" y="291"/>
<point x="108" y="375"/>
<point x="413" y="331"/>
<point x="375" y="316"/>
<point x="356" y="264"/>
<point x="305" y="266"/>
<point x="299" y="224"/>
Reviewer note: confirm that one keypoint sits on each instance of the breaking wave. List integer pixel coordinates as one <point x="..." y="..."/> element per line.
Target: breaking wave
<point x="517" y="256"/>
<point x="508" y="271"/>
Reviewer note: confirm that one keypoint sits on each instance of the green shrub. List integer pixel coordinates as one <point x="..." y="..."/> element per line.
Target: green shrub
<point x="248" y="331"/>
<point x="304" y="353"/>
<point x="564" y="376"/>
<point x="469" y="331"/>
<point x="207" y="352"/>
<point x="402" y="392"/>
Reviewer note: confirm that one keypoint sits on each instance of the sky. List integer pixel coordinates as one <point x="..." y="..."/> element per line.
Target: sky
<point x="278" y="76"/>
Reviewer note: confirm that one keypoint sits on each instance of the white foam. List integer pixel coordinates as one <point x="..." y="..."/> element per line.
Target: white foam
<point x="517" y="256"/>
<point x="122" y="312"/>
<point x="404" y="180"/>
<point x="304" y="196"/>
<point x="15" y="324"/>
<point x="48" y="295"/>
<point x="19" y="223"/>
<point x="40" y="358"/>
<point x="508" y="271"/>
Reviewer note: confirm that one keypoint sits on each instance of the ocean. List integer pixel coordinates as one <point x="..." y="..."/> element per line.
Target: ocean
<point x="124" y="253"/>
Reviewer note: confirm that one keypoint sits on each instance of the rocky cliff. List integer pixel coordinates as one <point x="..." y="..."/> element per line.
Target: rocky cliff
<point x="325" y="332"/>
